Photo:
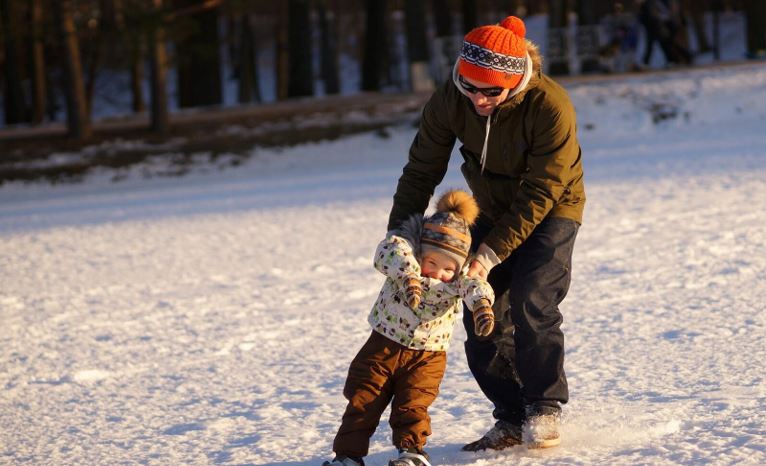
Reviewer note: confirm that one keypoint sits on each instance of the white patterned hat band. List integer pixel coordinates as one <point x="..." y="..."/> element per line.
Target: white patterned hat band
<point x="486" y="58"/>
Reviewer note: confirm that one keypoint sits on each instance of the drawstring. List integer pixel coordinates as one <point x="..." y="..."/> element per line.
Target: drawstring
<point x="524" y="81"/>
<point x="486" y="139"/>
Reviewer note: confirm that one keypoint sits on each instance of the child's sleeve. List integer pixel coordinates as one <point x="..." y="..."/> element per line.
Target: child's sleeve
<point x="395" y="259"/>
<point x="475" y="292"/>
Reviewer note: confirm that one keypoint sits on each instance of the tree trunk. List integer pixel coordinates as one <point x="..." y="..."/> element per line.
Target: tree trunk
<point x="94" y="59"/>
<point x="717" y="7"/>
<point x="696" y="11"/>
<point x="15" y="105"/>
<point x="445" y="47"/>
<point x="198" y="58"/>
<point x="375" y="49"/>
<point x="470" y="19"/>
<point x="329" y="48"/>
<point x="137" y="74"/>
<point x="587" y="37"/>
<point x="160" y="119"/>
<point x="417" y="48"/>
<point x="282" y="55"/>
<point x="249" y="90"/>
<point x="37" y="61"/>
<point x="508" y="7"/>
<point x="78" y="119"/>
<point x="558" y="45"/>
<point x="300" y="77"/>
<point x="755" y="24"/>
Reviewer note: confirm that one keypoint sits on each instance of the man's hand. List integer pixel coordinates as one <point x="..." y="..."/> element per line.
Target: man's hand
<point x="476" y="270"/>
<point x="413" y="293"/>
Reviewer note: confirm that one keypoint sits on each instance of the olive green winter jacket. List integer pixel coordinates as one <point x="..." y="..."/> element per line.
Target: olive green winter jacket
<point x="533" y="165"/>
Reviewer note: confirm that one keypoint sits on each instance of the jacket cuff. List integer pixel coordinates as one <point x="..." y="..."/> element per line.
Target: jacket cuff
<point x="483" y="302"/>
<point x="486" y="257"/>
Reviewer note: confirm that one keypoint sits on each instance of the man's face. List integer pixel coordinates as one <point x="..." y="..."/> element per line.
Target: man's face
<point x="477" y="90"/>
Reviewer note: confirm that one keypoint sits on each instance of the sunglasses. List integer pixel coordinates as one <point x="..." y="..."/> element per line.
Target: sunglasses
<point x="486" y="91"/>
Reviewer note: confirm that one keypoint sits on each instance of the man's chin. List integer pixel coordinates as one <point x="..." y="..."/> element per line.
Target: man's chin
<point x="483" y="111"/>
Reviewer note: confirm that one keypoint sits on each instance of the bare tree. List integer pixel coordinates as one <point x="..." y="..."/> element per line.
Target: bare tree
<point x="249" y="89"/>
<point x="78" y="119"/>
<point x="558" y="46"/>
<point x="160" y="120"/>
<point x="375" y="49"/>
<point x="417" y="48"/>
<point x="470" y="20"/>
<point x="137" y="57"/>
<point x="37" y="61"/>
<point x="130" y="19"/>
<point x="197" y="58"/>
<point x="282" y="55"/>
<point x="755" y="24"/>
<point x="328" y="47"/>
<point x="696" y="11"/>
<point x="445" y="47"/>
<point x="300" y="77"/>
<point x="587" y="36"/>
<point x="15" y="105"/>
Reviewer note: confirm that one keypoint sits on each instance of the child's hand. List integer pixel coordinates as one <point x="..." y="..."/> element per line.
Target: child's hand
<point x="413" y="292"/>
<point x="483" y="321"/>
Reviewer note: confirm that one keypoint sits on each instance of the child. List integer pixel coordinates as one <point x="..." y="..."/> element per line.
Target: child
<point x="404" y="359"/>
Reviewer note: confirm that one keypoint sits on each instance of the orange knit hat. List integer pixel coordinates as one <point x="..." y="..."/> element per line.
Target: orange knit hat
<point x="495" y="54"/>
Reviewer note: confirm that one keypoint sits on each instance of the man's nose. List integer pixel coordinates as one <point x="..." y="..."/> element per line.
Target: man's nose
<point x="479" y="98"/>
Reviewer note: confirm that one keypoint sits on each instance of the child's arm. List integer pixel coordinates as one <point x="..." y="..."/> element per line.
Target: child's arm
<point x="478" y="295"/>
<point x="395" y="259"/>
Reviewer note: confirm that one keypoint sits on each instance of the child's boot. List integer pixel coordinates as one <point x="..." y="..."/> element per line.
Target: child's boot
<point x="342" y="460"/>
<point x="411" y="457"/>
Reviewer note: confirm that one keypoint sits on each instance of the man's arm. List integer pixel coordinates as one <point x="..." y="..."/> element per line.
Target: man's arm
<point x="428" y="161"/>
<point x="550" y="162"/>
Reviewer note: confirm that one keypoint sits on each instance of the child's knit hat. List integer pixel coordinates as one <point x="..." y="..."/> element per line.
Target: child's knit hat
<point x="495" y="54"/>
<point x="448" y="230"/>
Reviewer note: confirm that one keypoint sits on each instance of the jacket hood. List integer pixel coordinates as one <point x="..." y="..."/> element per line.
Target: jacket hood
<point x="411" y="229"/>
<point x="534" y="79"/>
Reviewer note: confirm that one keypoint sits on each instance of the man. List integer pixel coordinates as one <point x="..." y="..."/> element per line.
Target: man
<point x="522" y="162"/>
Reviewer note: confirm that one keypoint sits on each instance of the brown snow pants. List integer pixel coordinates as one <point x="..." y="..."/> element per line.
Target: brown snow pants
<point x="384" y="371"/>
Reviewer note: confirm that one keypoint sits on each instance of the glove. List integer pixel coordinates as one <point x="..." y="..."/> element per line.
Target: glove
<point x="483" y="320"/>
<point x="413" y="292"/>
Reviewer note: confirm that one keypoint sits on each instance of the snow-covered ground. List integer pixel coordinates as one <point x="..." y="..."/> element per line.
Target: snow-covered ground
<point x="210" y="319"/>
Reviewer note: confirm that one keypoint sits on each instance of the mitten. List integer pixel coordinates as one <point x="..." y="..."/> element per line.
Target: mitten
<point x="483" y="320"/>
<point x="413" y="292"/>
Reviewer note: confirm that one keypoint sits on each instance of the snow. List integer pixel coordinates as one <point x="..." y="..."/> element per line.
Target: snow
<point x="210" y="319"/>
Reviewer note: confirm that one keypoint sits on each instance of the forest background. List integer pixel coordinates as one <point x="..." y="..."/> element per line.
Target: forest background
<point x="84" y="73"/>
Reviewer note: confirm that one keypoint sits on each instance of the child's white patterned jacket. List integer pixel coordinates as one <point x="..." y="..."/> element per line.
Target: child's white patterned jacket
<point x="430" y="326"/>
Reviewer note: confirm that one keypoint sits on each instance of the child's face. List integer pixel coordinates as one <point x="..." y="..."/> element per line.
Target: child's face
<point x="439" y="266"/>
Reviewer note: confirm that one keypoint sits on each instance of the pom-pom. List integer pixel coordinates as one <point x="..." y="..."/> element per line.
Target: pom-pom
<point x="459" y="203"/>
<point x="514" y="24"/>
